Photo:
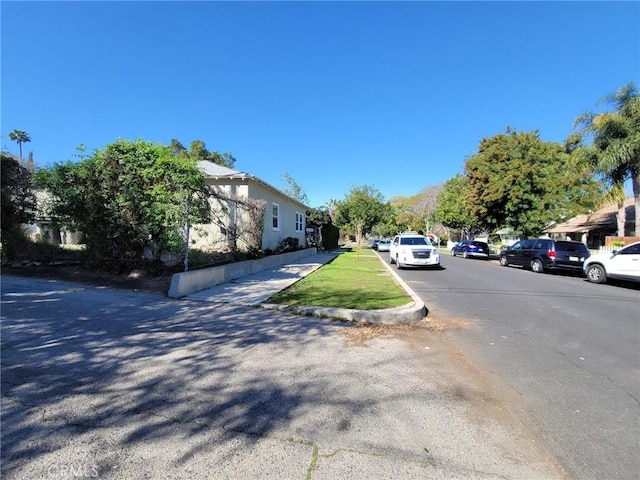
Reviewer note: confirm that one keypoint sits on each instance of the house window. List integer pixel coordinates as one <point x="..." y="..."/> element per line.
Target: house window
<point x="299" y="221"/>
<point x="275" y="215"/>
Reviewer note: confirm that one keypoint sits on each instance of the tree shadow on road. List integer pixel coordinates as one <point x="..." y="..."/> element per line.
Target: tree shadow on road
<point x="78" y="360"/>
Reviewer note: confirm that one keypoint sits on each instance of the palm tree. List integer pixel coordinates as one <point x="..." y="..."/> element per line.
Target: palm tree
<point x="19" y="137"/>
<point x="616" y="143"/>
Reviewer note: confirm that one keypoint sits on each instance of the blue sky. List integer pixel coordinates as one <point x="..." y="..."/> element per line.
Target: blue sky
<point x="395" y="95"/>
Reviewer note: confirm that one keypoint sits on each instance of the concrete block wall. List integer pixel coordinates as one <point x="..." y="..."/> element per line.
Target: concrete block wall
<point x="186" y="283"/>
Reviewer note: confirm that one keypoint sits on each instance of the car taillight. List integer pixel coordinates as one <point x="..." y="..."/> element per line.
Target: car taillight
<point x="551" y="254"/>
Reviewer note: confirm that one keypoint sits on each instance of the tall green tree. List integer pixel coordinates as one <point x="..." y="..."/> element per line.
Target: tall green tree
<point x="416" y="212"/>
<point x="387" y="225"/>
<point x="294" y="189"/>
<point x="20" y="137"/>
<point x="426" y="204"/>
<point x="31" y="164"/>
<point x="615" y="148"/>
<point x="127" y="197"/>
<point x="451" y="208"/>
<point x="403" y="214"/>
<point x="18" y="202"/>
<point x="198" y="151"/>
<point x="318" y="216"/>
<point x="517" y="180"/>
<point x="360" y="210"/>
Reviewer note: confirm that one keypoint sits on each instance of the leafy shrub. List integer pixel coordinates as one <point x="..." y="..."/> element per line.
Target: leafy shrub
<point x="289" y="244"/>
<point x="127" y="197"/>
<point x="254" y="252"/>
<point x="21" y="248"/>
<point x="202" y="259"/>
<point x="330" y="236"/>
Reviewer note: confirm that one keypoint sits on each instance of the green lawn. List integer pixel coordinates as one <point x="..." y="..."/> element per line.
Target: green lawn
<point x="347" y="282"/>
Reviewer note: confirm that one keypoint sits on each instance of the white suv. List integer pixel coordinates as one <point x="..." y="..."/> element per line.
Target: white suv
<point x="413" y="249"/>
<point x="621" y="265"/>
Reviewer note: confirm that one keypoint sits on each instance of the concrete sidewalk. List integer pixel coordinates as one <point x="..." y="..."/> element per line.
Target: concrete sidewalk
<point x="255" y="290"/>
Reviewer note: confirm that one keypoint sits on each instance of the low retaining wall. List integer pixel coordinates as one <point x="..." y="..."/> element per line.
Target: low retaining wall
<point x="186" y="283"/>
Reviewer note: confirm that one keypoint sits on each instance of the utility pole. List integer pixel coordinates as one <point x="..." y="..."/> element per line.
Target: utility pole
<point x="186" y="232"/>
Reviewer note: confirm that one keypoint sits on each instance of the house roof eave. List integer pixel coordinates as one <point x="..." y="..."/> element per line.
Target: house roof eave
<point x="248" y="177"/>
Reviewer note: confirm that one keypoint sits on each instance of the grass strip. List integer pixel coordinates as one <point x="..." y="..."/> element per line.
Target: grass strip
<point x="362" y="283"/>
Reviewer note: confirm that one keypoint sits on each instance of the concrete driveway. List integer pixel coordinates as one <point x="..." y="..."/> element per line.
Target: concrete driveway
<point x="104" y="383"/>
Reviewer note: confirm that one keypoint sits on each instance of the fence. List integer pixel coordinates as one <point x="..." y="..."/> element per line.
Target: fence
<point x="604" y="249"/>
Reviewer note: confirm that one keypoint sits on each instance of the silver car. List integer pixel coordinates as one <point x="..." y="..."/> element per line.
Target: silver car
<point x="384" y="245"/>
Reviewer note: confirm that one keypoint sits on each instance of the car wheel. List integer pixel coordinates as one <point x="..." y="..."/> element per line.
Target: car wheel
<point x="453" y="253"/>
<point x="398" y="264"/>
<point x="464" y="254"/>
<point x="503" y="261"/>
<point x="536" y="266"/>
<point x="391" y="259"/>
<point x="596" y="273"/>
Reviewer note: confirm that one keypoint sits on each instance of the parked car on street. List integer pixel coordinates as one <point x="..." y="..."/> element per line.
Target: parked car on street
<point x="374" y="244"/>
<point x="471" y="248"/>
<point x="623" y="264"/>
<point x="540" y="254"/>
<point x="384" y="245"/>
<point x="415" y="250"/>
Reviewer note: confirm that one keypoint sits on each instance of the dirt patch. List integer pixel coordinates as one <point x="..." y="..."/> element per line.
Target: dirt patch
<point x="357" y="336"/>
<point x="136" y="280"/>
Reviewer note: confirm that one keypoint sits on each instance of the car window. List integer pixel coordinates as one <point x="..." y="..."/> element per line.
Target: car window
<point x="542" y="244"/>
<point x="582" y="248"/>
<point x="571" y="247"/>
<point x="630" y="250"/>
<point x="516" y="246"/>
<point x="413" y="241"/>
<point x="528" y="243"/>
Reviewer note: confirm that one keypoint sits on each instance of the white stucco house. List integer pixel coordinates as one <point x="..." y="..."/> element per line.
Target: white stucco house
<point x="46" y="229"/>
<point x="237" y="192"/>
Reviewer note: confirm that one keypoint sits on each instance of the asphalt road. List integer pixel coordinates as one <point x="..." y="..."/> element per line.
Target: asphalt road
<point x="564" y="355"/>
<point x="116" y="384"/>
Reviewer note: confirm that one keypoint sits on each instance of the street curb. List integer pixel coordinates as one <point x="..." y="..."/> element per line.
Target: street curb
<point x="419" y="304"/>
<point x="409" y="313"/>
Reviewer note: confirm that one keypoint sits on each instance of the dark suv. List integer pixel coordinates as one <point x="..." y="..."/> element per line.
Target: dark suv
<point x="540" y="254"/>
<point x="471" y="248"/>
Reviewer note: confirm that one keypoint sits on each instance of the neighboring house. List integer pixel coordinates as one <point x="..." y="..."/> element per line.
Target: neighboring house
<point x="507" y="236"/>
<point x="237" y="191"/>
<point x="592" y="228"/>
<point x="45" y="229"/>
<point x="283" y="216"/>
